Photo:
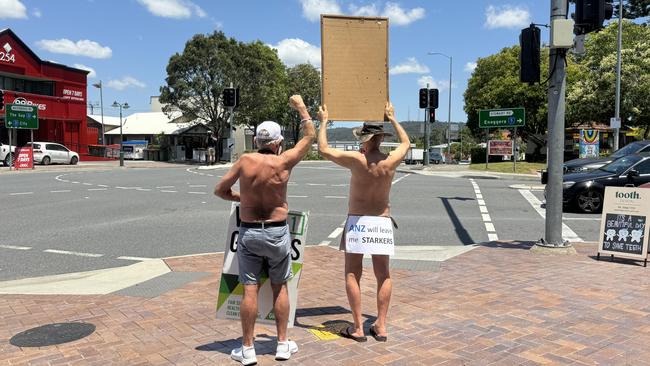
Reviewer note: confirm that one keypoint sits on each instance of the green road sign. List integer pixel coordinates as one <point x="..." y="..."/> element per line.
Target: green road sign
<point x="501" y="118"/>
<point x="21" y="116"/>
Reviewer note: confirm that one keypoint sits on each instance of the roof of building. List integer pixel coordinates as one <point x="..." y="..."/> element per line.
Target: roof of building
<point x="151" y="123"/>
<point x="108" y="120"/>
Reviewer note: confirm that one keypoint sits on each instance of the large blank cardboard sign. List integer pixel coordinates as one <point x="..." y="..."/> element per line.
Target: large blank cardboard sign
<point x="354" y="67"/>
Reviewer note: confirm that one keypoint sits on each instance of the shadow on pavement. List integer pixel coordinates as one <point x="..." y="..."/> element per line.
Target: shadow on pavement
<point x="264" y="344"/>
<point x="526" y="245"/>
<point x="462" y="234"/>
<point x="608" y="258"/>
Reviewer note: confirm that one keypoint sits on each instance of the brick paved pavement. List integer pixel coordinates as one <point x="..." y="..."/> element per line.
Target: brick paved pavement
<point x="498" y="304"/>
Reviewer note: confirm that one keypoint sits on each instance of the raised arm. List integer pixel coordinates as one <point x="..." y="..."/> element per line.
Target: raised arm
<point x="343" y="158"/>
<point x="293" y="156"/>
<point x="396" y="156"/>
<point x="224" y="188"/>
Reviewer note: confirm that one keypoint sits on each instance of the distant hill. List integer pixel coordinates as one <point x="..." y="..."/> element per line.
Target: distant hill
<point x="413" y="129"/>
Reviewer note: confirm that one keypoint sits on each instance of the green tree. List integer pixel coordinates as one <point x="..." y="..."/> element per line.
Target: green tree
<point x="590" y="97"/>
<point x="209" y="63"/>
<point x="633" y="9"/>
<point x="495" y="84"/>
<point x="303" y="79"/>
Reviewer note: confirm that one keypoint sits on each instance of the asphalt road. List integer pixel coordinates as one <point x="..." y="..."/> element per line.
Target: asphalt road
<point x="63" y="222"/>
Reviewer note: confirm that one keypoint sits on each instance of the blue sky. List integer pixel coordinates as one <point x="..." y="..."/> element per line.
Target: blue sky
<point x="127" y="43"/>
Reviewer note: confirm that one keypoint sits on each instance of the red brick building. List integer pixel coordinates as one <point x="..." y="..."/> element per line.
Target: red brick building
<point x="59" y="91"/>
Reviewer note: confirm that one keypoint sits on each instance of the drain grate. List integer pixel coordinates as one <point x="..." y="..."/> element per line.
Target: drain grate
<point x="51" y="334"/>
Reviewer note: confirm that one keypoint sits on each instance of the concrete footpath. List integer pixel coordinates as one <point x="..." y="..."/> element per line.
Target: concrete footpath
<point x="497" y="304"/>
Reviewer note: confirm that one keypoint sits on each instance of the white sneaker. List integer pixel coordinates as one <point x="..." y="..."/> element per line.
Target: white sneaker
<point x="245" y="355"/>
<point x="285" y="350"/>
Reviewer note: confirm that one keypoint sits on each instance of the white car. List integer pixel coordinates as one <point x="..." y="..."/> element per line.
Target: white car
<point x="4" y="153"/>
<point x="48" y="153"/>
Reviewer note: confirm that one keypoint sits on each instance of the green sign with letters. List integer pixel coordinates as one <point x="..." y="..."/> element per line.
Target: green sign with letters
<point x="21" y="116"/>
<point x="502" y="118"/>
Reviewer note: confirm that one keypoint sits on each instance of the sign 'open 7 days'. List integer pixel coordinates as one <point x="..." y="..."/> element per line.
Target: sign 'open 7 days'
<point x="502" y="118"/>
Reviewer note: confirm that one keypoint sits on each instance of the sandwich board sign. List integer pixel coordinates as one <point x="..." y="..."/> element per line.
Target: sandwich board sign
<point x="354" y="52"/>
<point x="624" y="223"/>
<point x="231" y="291"/>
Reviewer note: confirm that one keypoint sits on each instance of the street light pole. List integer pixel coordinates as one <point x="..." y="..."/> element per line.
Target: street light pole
<point x="449" y="112"/>
<point x="101" y="103"/>
<point x="121" y="106"/>
<point x="618" y="75"/>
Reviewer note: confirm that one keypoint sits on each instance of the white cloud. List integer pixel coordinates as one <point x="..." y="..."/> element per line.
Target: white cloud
<point x="125" y="82"/>
<point x="92" y="73"/>
<point x="83" y="47"/>
<point x="410" y="66"/>
<point x="399" y="16"/>
<point x="177" y="9"/>
<point x="506" y="16"/>
<point x="470" y="66"/>
<point x="364" y="11"/>
<point x="37" y="13"/>
<point x="293" y="51"/>
<point x="12" y="9"/>
<point x="312" y="9"/>
<point x="433" y="83"/>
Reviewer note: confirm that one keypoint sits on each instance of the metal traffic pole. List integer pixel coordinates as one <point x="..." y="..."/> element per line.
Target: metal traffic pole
<point x="514" y="152"/>
<point x="556" y="109"/>
<point x="487" y="147"/>
<point x="31" y="146"/>
<point x="427" y="120"/>
<point x="11" y="155"/>
<point x="618" y="76"/>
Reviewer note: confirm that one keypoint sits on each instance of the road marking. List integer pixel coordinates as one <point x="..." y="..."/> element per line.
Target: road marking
<point x="97" y="189"/>
<point x="87" y="184"/>
<point x="144" y="189"/>
<point x="298" y="196"/>
<point x="335" y="234"/>
<point x="197" y="185"/>
<point x="486" y="217"/>
<point x="340" y="185"/>
<point x="479" y="196"/>
<point x="168" y="191"/>
<point x="343" y="197"/>
<point x="102" y="185"/>
<point x="120" y="187"/>
<point x="493" y="237"/>
<point x="196" y="192"/>
<point x="74" y="182"/>
<point x="489" y="227"/>
<point x="14" y="247"/>
<point x="400" y="178"/>
<point x="480" y="202"/>
<point x="165" y="187"/>
<point x="137" y="259"/>
<point x="487" y="220"/>
<point x="316" y="184"/>
<point x="20" y="193"/>
<point x="61" y="191"/>
<point x="79" y="254"/>
<point x="483" y="209"/>
<point x="324" y="242"/>
<point x="567" y="233"/>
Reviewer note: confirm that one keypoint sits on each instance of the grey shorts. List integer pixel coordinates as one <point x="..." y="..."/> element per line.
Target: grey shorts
<point x="268" y="250"/>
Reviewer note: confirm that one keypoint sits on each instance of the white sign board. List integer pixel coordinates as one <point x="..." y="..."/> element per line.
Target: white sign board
<point x="624" y="222"/>
<point x="231" y="291"/>
<point x="614" y="122"/>
<point x="369" y="235"/>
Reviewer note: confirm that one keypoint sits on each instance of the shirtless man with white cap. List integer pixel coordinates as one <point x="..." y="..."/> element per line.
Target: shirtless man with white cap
<point x="370" y="183"/>
<point x="264" y="239"/>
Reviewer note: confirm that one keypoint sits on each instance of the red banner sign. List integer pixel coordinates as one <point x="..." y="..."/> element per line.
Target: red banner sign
<point x="500" y="147"/>
<point x="24" y="158"/>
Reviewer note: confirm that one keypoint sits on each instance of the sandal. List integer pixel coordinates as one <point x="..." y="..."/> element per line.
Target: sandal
<point x="376" y="336"/>
<point x="345" y="333"/>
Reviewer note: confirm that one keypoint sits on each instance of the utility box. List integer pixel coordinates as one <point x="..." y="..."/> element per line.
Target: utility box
<point x="562" y="33"/>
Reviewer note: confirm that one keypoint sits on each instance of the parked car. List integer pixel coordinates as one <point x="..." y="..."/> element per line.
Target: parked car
<point x="435" y="157"/>
<point x="584" y="164"/>
<point x="586" y="189"/>
<point x="47" y="153"/>
<point x="5" y="156"/>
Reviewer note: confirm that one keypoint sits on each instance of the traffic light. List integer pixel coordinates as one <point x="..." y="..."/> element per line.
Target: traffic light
<point x="424" y="98"/>
<point x="2" y="100"/>
<point x="432" y="113"/>
<point x="230" y="97"/>
<point x="529" y="57"/>
<point x="433" y="98"/>
<point x="590" y="15"/>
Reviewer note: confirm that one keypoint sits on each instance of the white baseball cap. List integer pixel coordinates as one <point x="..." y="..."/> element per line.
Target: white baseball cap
<point x="269" y="130"/>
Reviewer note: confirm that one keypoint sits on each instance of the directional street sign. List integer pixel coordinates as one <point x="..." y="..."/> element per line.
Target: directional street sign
<point x="501" y="118"/>
<point x="21" y="116"/>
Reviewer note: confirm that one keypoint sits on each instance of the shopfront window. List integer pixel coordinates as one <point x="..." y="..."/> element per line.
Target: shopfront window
<point x="27" y="86"/>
